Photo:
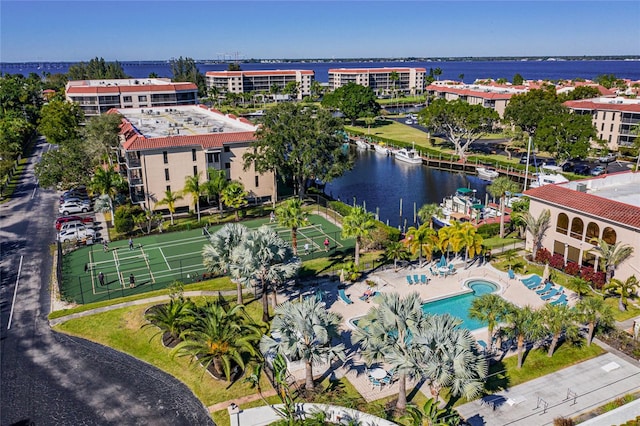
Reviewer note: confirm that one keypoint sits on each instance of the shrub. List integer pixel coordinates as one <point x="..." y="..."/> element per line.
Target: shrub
<point x="557" y="261"/>
<point x="587" y="273"/>
<point x="340" y="207"/>
<point x="572" y="269"/>
<point x="123" y="219"/>
<point x="543" y="256"/>
<point x="489" y="230"/>
<point x="563" y="421"/>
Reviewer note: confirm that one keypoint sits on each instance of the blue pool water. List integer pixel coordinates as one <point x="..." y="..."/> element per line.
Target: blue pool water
<point x="458" y="306"/>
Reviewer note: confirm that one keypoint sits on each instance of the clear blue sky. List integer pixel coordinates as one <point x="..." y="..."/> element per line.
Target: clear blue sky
<point x="147" y="30"/>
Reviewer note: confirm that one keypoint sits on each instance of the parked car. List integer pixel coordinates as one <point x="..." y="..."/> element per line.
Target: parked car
<point x="408" y="121"/>
<point x="582" y="169"/>
<point x="75" y="199"/>
<point x="548" y="161"/>
<point x="533" y="161"/>
<point x="606" y="159"/>
<point x="567" y="166"/>
<point x="69" y="207"/>
<point x="74" y="225"/>
<point x="75" y="234"/>
<point x="88" y="220"/>
<point x="598" y="170"/>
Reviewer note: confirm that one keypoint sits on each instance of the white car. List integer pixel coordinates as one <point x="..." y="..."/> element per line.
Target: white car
<point x="609" y="158"/>
<point x="74" y="225"/>
<point x="73" y="207"/>
<point x="75" y="234"/>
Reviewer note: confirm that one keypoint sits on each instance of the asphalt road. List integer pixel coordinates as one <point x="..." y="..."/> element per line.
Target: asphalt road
<point x="48" y="378"/>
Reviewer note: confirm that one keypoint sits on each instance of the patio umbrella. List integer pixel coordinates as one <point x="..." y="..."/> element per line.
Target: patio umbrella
<point x="546" y="273"/>
<point x="443" y="261"/>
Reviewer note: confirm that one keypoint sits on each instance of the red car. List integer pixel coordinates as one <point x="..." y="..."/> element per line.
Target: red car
<point x="65" y="219"/>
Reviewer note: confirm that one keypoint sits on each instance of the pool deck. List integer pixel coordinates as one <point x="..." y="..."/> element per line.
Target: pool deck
<point x="388" y="281"/>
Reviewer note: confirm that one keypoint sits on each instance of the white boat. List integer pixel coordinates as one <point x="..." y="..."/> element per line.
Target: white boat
<point x="548" y="175"/>
<point x="410" y="156"/>
<point x="487" y="173"/>
<point x="362" y="144"/>
<point x="382" y="149"/>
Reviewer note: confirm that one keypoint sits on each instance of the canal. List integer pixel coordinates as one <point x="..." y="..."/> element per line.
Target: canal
<point x="382" y="184"/>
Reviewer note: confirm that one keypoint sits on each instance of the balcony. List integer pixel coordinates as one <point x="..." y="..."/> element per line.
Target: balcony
<point x="137" y="196"/>
<point x="133" y="162"/>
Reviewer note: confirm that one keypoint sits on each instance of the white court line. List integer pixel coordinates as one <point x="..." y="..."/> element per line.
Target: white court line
<point x="15" y="292"/>
<point x="33" y="194"/>
<point x="165" y="258"/>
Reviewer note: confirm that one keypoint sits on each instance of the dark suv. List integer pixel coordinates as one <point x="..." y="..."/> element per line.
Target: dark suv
<point x="582" y="169"/>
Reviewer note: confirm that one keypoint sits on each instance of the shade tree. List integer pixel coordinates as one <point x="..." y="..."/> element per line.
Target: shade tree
<point x="353" y="101"/>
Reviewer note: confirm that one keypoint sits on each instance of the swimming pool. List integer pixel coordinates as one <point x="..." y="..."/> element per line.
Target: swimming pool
<point x="458" y="306"/>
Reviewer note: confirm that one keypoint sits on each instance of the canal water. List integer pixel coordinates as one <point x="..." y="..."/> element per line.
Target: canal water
<point x="382" y="184"/>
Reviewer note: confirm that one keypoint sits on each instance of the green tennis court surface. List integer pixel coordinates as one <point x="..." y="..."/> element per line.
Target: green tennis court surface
<point x="91" y="274"/>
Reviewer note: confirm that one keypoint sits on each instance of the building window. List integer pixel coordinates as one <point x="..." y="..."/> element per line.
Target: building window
<point x="169" y="188"/>
<point x="165" y="157"/>
<point x="227" y="149"/>
<point x="257" y="182"/>
<point x="227" y="165"/>
<point x="213" y="157"/>
<point x="166" y="174"/>
<point x="611" y="128"/>
<point x="126" y="99"/>
<point x="562" y="226"/>
<point x="195" y="170"/>
<point x="609" y="235"/>
<point x="602" y="127"/>
<point x="577" y="226"/>
<point x="193" y="155"/>
<point x="142" y="98"/>
<point x="593" y="231"/>
<point x="573" y="254"/>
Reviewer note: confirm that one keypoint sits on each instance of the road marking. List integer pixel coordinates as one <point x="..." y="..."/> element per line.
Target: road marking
<point x="15" y="292"/>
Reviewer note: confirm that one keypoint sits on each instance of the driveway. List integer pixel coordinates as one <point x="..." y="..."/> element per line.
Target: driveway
<point x="50" y="378"/>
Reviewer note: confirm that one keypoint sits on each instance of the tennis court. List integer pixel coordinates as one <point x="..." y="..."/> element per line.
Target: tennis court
<point x="92" y="274"/>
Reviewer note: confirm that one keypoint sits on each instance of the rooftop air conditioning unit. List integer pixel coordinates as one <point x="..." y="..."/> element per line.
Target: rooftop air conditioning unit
<point x="581" y="187"/>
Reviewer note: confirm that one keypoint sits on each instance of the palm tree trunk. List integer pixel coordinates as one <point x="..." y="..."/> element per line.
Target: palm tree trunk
<point x="502" y="216"/>
<point x="402" y="392"/>
<point x="265" y="302"/>
<point x="308" y="376"/>
<point x="274" y="297"/>
<point x="239" y="293"/>
<point x="198" y="208"/>
<point x="490" y="338"/>
<point x="220" y="205"/>
<point x="294" y="240"/>
<point x="171" y="216"/>
<point x="217" y="367"/>
<point x="621" y="306"/>
<point x="357" y="255"/>
<point x="591" y="329"/>
<point x="520" y="350"/>
<point x="554" y="343"/>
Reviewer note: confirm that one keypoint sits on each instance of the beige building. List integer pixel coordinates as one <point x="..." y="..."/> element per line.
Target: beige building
<point x="606" y="207"/>
<point x="260" y="81"/>
<point x="410" y="80"/>
<point x="488" y="96"/>
<point x="96" y="97"/>
<point x="161" y="147"/>
<point x="615" y="119"/>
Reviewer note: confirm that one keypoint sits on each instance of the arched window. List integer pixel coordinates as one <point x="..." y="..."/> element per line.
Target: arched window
<point x="562" y="226"/>
<point x="609" y="235"/>
<point x="577" y="226"/>
<point x="593" y="231"/>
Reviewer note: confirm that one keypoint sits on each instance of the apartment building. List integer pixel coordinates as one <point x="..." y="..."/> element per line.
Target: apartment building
<point x="489" y="96"/>
<point x="260" y="81"/>
<point x="96" y="97"/>
<point x="606" y="207"/>
<point x="410" y="81"/>
<point x="161" y="147"/>
<point x="615" y="119"/>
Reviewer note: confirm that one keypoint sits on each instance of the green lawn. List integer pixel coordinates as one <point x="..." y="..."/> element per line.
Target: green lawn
<point x="394" y="130"/>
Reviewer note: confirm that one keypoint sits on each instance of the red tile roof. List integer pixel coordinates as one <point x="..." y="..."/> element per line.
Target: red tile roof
<point x="169" y="87"/>
<point x="257" y="72"/>
<point x="372" y="70"/>
<point x="602" y="106"/>
<point x="467" y="92"/>
<point x="213" y="140"/>
<point x="606" y="209"/>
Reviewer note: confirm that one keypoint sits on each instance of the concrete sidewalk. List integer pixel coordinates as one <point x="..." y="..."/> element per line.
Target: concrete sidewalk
<point x="567" y="393"/>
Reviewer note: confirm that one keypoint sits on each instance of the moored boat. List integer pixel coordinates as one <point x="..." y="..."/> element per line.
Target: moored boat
<point x="362" y="144"/>
<point x="487" y="173"/>
<point x="410" y="156"/>
<point x="548" y="175"/>
<point x="381" y="148"/>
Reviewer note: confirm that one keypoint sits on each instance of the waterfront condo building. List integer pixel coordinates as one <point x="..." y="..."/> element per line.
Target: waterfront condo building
<point x="606" y="207"/>
<point x="489" y="96"/>
<point x="161" y="147"/>
<point x="96" y="97"/>
<point x="260" y="81"/>
<point x="381" y="80"/>
<point x="616" y="119"/>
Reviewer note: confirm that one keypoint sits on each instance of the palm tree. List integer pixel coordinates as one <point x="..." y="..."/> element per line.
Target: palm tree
<point x="489" y="308"/>
<point x="219" y="338"/>
<point x="357" y="224"/>
<point x="624" y="289"/>
<point x="427" y="212"/>
<point x="384" y="334"/>
<point x="216" y="256"/>
<point x="422" y="238"/>
<point x="192" y="187"/>
<point x="594" y="312"/>
<point x="437" y="72"/>
<point x="580" y="286"/>
<point x="499" y="188"/>
<point x="394" y="78"/>
<point x="171" y="318"/>
<point x="266" y="258"/>
<point x="450" y="358"/>
<point x="523" y="324"/>
<point x="431" y="415"/>
<point x="537" y="228"/>
<point x="215" y="185"/>
<point x="306" y="331"/>
<point x="395" y="251"/>
<point x="292" y="216"/>
<point x="454" y="237"/>
<point x="169" y="200"/>
<point x="611" y="255"/>
<point x="234" y="196"/>
<point x="471" y="240"/>
<point x="559" y="320"/>
<point x="107" y="182"/>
